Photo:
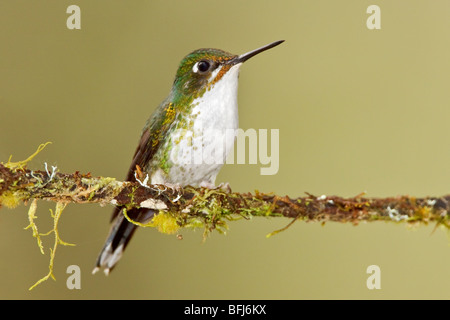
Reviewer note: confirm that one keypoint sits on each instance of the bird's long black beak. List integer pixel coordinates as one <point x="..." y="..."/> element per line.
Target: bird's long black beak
<point x="244" y="57"/>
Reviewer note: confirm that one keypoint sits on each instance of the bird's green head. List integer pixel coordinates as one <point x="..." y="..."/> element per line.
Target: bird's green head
<point x="202" y="68"/>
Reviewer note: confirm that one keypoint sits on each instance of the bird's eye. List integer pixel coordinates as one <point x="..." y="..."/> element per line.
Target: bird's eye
<point x="201" y="66"/>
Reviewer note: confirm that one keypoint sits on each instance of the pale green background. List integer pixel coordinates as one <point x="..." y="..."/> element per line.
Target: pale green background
<point x="358" y="110"/>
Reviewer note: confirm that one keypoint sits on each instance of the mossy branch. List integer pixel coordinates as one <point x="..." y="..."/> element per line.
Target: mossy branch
<point x="195" y="207"/>
<point x="190" y="207"/>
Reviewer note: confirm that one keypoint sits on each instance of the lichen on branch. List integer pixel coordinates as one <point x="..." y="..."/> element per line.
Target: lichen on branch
<point x="189" y="207"/>
<point x="211" y="208"/>
<point x="56" y="216"/>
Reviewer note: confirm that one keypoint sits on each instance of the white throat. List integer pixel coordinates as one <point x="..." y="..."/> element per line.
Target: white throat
<point x="218" y="107"/>
<point x="200" y="150"/>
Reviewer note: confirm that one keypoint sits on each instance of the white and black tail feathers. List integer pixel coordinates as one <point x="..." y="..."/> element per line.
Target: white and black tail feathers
<point x="119" y="235"/>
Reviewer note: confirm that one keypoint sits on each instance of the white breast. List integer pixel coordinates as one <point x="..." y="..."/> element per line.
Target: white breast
<point x="199" y="152"/>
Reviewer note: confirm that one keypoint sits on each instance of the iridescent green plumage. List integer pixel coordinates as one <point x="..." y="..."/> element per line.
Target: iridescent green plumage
<point x="188" y="84"/>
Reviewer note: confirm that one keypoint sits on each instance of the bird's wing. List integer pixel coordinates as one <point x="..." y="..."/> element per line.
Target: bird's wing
<point x="152" y="136"/>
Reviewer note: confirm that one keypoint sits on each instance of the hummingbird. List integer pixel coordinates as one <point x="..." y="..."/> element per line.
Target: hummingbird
<point x="200" y="113"/>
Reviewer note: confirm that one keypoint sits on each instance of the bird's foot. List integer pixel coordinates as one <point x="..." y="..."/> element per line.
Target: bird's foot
<point x="224" y="186"/>
<point x="174" y="186"/>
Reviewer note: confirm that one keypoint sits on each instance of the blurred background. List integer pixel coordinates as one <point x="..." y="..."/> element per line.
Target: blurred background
<point x="357" y="109"/>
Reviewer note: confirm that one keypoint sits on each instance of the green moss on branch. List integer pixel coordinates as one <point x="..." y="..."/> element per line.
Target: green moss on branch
<point x="193" y="207"/>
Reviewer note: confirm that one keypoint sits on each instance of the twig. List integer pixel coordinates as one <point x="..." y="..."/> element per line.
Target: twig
<point x="198" y="206"/>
